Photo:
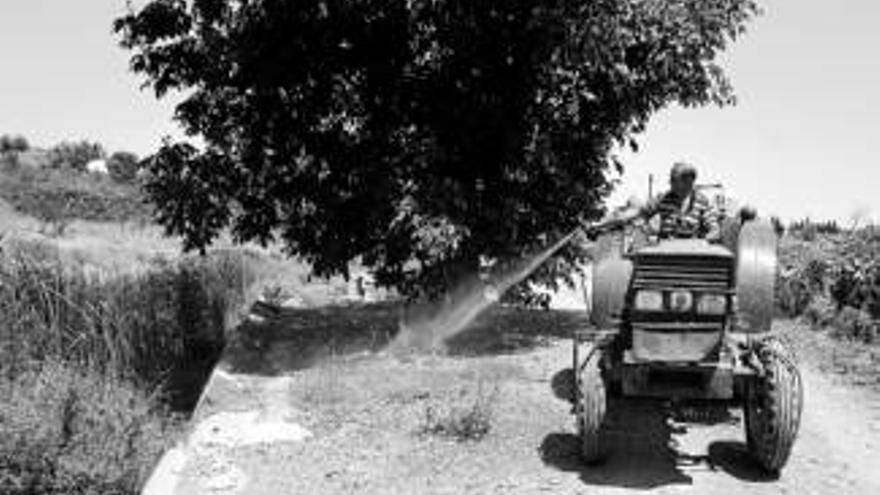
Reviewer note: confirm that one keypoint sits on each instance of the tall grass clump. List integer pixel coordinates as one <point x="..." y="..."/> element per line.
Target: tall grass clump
<point x="87" y="360"/>
<point x="70" y="430"/>
<point x="136" y="327"/>
<point x="467" y="418"/>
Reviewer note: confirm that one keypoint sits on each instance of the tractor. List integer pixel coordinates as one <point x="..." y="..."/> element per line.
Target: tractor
<point x="688" y="321"/>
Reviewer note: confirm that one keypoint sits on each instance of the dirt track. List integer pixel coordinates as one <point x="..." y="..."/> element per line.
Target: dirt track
<point x="365" y="414"/>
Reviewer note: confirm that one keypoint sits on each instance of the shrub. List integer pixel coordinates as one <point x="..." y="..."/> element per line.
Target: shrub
<point x="123" y="167"/>
<point x="75" y="156"/>
<point x="13" y="144"/>
<point x="834" y="280"/>
<point x="809" y="230"/>
<point x="68" y="430"/>
<point x="468" y="418"/>
<point x="52" y="195"/>
<point x="137" y="327"/>
<point x="821" y="312"/>
<point x="85" y="363"/>
<point x="856" y="325"/>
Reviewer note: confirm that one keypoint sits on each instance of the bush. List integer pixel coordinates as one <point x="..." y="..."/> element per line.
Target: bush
<point x="809" y="230"/>
<point x="803" y="276"/>
<point x="134" y="327"/>
<point x="13" y="144"/>
<point x="834" y="280"/>
<point x="820" y="312"/>
<point x="85" y="363"/>
<point x="123" y="167"/>
<point x="469" y="418"/>
<point x="53" y="196"/>
<point x="68" y="430"/>
<point x="75" y="156"/>
<point x="855" y="325"/>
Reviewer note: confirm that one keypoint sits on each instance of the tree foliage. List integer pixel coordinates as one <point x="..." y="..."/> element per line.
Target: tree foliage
<point x="13" y="144"/>
<point x="123" y="166"/>
<point x="418" y="135"/>
<point x="75" y="155"/>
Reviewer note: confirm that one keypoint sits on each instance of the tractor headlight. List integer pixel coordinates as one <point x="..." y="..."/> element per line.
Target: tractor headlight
<point x="649" y="300"/>
<point x="681" y="301"/>
<point x="712" y="304"/>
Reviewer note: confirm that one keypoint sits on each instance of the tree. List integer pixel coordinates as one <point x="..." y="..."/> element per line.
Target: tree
<point x="123" y="166"/>
<point x="418" y="135"/>
<point x="75" y="156"/>
<point x="13" y="144"/>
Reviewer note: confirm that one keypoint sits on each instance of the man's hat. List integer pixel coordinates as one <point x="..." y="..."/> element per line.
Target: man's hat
<point x="684" y="170"/>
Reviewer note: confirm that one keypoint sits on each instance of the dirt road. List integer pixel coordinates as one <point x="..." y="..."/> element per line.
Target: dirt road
<point x="367" y="416"/>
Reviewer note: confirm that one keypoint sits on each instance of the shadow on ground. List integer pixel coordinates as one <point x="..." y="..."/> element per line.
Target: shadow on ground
<point x="507" y="330"/>
<point x="733" y="458"/>
<point x="184" y="385"/>
<point x="643" y="453"/>
<point x="284" y="340"/>
<point x="294" y="339"/>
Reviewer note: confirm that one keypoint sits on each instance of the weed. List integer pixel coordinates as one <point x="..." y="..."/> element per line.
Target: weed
<point x="854" y="325"/>
<point x="70" y="430"/>
<point x="468" y="418"/>
<point x="86" y="361"/>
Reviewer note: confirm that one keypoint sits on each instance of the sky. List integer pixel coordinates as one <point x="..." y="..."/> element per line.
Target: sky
<point x="804" y="139"/>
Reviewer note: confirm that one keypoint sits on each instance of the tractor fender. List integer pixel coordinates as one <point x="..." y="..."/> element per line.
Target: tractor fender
<point x="756" y="265"/>
<point x="611" y="279"/>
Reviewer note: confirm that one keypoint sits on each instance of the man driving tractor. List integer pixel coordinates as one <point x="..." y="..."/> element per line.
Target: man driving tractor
<point x="675" y="318"/>
<point x="683" y="211"/>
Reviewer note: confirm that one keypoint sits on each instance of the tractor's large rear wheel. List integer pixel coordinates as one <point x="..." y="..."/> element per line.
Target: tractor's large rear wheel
<point x="773" y="408"/>
<point x="591" y="410"/>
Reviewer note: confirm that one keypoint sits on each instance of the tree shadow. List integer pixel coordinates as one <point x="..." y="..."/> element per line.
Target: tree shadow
<point x="504" y="330"/>
<point x="274" y="341"/>
<point x="184" y="385"/>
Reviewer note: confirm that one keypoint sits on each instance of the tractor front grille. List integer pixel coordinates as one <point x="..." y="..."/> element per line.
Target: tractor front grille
<point x="682" y="342"/>
<point x="699" y="275"/>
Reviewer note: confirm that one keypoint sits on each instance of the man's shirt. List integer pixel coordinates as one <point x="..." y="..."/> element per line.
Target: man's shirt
<point x="690" y="217"/>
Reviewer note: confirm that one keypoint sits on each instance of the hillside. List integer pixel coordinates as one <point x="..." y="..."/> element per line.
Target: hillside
<point x="56" y="196"/>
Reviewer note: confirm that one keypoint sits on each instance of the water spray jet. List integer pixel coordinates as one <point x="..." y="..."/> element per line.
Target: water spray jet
<point x="426" y="327"/>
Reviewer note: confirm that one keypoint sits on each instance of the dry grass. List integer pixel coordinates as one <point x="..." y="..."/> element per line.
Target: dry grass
<point x="68" y="430"/>
<point x="467" y="417"/>
<point x="88" y="358"/>
<point x="133" y="326"/>
<point x="853" y="362"/>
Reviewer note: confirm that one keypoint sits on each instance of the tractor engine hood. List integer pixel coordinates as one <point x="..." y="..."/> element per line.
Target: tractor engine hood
<point x="685" y="248"/>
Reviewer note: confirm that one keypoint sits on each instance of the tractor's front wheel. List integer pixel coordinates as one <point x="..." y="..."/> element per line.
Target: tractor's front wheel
<point x="591" y="410"/>
<point x="773" y="408"/>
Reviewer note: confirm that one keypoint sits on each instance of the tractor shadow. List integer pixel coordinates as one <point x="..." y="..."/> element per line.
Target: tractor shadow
<point x="644" y="451"/>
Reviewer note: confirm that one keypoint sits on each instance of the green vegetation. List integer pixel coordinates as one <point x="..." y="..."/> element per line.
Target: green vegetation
<point x="69" y="430"/>
<point x="417" y="136"/>
<point x="75" y="156"/>
<point x="465" y="418"/>
<point x="123" y="167"/>
<point x="13" y="144"/>
<point x="91" y="365"/>
<point x="832" y="277"/>
<point x="56" y="196"/>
